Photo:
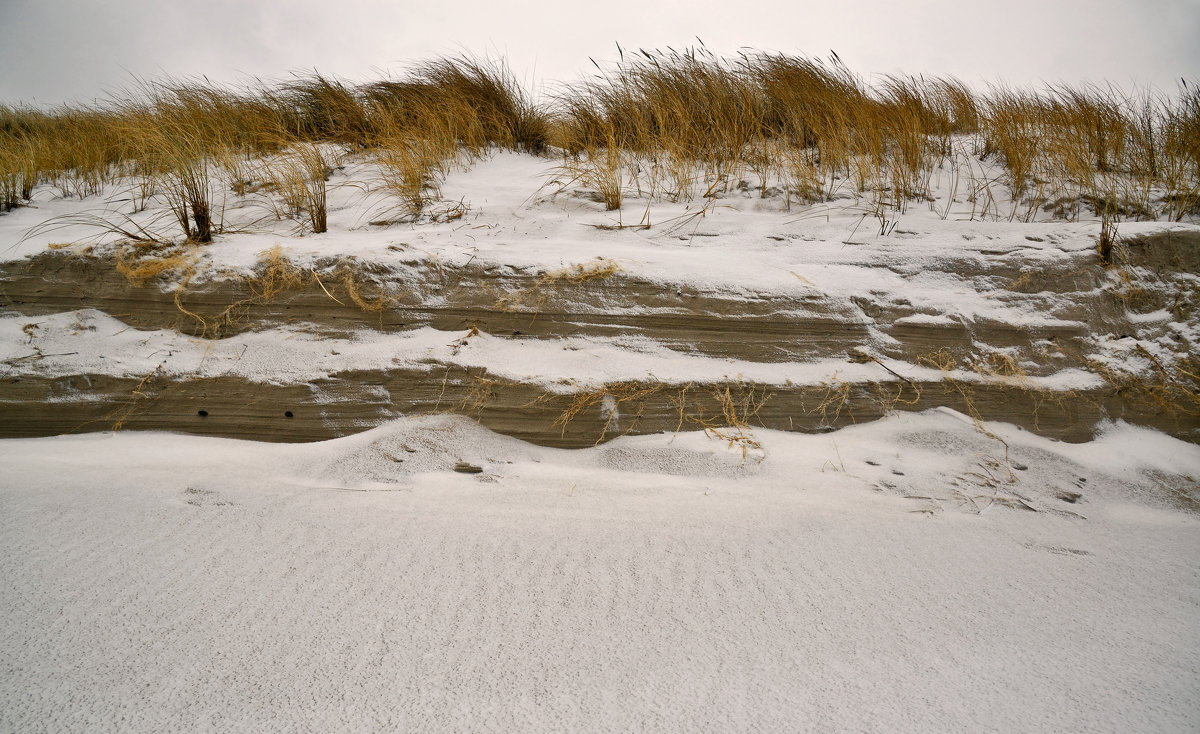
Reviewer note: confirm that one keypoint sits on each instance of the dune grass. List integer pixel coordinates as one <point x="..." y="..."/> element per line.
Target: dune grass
<point x="190" y="144"/>
<point x="672" y="125"/>
<point x="678" y="124"/>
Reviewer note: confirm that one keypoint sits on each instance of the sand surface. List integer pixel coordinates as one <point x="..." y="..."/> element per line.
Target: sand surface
<point x="156" y="582"/>
<point x="925" y="572"/>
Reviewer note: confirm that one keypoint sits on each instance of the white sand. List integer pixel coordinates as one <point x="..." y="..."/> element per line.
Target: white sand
<point x="155" y="582"/>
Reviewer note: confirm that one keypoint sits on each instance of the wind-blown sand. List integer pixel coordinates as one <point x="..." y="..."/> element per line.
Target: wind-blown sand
<point x="156" y="582"/>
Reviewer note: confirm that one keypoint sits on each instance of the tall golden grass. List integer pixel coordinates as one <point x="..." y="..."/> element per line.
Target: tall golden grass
<point x="673" y="125"/>
<point x="191" y="143"/>
<point x="689" y="122"/>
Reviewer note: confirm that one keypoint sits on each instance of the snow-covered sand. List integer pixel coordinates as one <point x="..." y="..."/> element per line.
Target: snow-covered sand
<point x="155" y="582"/>
<point x="1020" y="304"/>
<point x="925" y="572"/>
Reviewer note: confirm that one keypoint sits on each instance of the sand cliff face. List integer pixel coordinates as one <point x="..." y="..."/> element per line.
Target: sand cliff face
<point x="896" y="355"/>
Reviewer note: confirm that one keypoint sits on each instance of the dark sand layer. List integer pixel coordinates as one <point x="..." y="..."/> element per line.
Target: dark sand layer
<point x="342" y="297"/>
<point x="350" y="402"/>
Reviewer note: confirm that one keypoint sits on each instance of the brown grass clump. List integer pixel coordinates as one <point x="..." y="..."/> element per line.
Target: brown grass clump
<point x="75" y="149"/>
<point x="324" y="109"/>
<point x="300" y="175"/>
<point x="21" y="151"/>
<point x="816" y="123"/>
<point x="176" y="138"/>
<point x="677" y="123"/>
<point x="478" y="101"/>
<point x="1178" y="167"/>
<point x="411" y="169"/>
<point x="601" y="169"/>
<point x="275" y="274"/>
<point x="420" y="124"/>
<point x="583" y="272"/>
<point x="175" y="154"/>
<point x="1096" y="145"/>
<point x="678" y="114"/>
<point x="139" y="263"/>
<point x="1106" y="240"/>
<point x="999" y="364"/>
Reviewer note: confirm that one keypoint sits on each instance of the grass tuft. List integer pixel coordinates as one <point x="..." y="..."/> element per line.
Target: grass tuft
<point x="671" y="125"/>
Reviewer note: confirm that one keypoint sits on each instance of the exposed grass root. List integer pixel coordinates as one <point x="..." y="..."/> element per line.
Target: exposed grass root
<point x="600" y="269"/>
<point x="726" y="412"/>
<point x="609" y="398"/>
<point x="737" y="406"/>
<point x="275" y="275"/>
<point x="835" y="400"/>
<point x="1169" y="384"/>
<point x="535" y="296"/>
<point x="943" y="360"/>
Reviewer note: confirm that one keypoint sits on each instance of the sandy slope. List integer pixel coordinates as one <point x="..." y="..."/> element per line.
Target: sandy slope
<point x="918" y="573"/>
<point x="801" y="304"/>
<point x="165" y="583"/>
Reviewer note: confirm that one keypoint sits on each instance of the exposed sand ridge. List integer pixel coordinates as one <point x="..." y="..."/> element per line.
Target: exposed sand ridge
<point x="993" y="369"/>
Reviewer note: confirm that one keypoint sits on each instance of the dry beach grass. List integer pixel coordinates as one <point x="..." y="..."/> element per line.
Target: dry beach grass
<point x="675" y="124"/>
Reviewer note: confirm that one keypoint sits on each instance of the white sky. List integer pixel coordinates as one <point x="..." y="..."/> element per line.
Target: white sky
<point x="57" y="50"/>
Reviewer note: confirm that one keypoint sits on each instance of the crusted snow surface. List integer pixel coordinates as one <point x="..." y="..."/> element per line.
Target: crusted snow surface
<point x="912" y="574"/>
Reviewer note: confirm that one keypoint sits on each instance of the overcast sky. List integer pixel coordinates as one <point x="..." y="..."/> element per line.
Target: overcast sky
<point x="57" y="50"/>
